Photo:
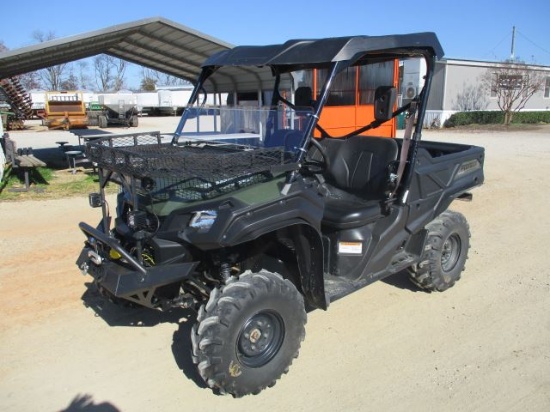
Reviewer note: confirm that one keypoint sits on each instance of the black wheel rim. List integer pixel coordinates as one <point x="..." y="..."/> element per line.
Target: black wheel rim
<point x="260" y="339"/>
<point x="450" y="252"/>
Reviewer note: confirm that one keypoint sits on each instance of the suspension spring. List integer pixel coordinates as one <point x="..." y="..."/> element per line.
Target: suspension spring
<point x="225" y="271"/>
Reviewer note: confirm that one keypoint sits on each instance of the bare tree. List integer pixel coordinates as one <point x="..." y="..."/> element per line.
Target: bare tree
<point x="109" y="73"/>
<point x="471" y="98"/>
<point x="69" y="83"/>
<point x="52" y="77"/>
<point x="151" y="77"/>
<point x="103" y="72"/>
<point x="30" y="81"/>
<point x="84" y="79"/>
<point x="513" y="84"/>
<point x="148" y="84"/>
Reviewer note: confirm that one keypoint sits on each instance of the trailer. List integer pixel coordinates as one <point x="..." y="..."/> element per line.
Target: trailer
<point x="116" y="109"/>
<point x="146" y="102"/>
<point x="164" y="101"/>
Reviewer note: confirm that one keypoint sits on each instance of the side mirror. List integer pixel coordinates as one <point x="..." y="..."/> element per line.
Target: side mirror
<point x="384" y="101"/>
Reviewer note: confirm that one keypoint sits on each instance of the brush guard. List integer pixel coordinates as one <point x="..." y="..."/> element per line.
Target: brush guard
<point x="125" y="277"/>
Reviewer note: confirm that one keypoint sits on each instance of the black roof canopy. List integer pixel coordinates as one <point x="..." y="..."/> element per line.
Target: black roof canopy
<point x="256" y="62"/>
<point x="319" y="51"/>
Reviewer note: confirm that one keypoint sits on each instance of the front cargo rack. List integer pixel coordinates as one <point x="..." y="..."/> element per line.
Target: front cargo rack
<point x="191" y="170"/>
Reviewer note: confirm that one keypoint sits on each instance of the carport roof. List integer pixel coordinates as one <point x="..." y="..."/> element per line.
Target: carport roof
<point x="157" y="43"/>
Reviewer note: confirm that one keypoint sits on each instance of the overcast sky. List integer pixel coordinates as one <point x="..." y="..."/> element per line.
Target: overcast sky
<point x="467" y="29"/>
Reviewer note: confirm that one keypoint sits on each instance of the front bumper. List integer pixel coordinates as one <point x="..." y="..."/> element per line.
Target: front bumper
<point x="125" y="277"/>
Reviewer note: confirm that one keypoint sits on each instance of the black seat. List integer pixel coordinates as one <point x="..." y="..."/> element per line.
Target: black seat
<point x="358" y="178"/>
<point x="348" y="211"/>
<point x="303" y="97"/>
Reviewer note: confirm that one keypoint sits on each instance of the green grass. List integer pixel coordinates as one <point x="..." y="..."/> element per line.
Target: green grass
<point x="47" y="183"/>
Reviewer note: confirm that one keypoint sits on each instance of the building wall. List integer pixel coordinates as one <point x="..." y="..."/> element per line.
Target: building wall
<point x="461" y="74"/>
<point x="437" y="89"/>
<point x="451" y="77"/>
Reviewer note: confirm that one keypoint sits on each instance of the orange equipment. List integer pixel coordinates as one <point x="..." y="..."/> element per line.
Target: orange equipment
<point x="65" y="110"/>
<point x="350" y="103"/>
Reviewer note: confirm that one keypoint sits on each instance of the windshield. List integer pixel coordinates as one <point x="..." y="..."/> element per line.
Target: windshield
<point x="245" y="125"/>
<point x="265" y="109"/>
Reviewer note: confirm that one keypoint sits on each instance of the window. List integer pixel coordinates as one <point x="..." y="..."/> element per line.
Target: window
<point x="342" y="91"/>
<point x="510" y="81"/>
<point x="506" y="82"/>
<point x="547" y="88"/>
<point x="372" y="76"/>
<point x="494" y="82"/>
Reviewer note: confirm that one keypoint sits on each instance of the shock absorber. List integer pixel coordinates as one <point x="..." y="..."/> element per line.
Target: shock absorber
<point x="139" y="236"/>
<point x="225" y="271"/>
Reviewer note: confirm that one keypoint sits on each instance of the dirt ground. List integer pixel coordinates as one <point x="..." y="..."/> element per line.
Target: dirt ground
<point x="483" y="345"/>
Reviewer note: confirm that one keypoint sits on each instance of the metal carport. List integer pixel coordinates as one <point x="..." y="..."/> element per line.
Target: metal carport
<point x="157" y="43"/>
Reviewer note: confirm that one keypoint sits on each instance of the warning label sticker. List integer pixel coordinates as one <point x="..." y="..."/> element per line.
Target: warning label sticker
<point x="350" y="248"/>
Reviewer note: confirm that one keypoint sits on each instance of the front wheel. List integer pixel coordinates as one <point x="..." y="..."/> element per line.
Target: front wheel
<point x="445" y="254"/>
<point x="102" y="121"/>
<point x="248" y="333"/>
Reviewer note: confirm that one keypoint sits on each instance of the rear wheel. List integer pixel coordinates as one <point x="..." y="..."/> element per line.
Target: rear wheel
<point x="248" y="333"/>
<point x="445" y="253"/>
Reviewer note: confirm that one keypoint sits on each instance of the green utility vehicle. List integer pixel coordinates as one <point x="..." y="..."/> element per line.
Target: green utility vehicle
<point x="255" y="212"/>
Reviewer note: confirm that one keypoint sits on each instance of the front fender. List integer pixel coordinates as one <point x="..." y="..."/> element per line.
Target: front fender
<point x="310" y="256"/>
<point x="237" y="224"/>
<point x="305" y="206"/>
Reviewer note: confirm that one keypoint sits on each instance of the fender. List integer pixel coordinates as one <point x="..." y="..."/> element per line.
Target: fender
<point x="304" y="207"/>
<point x="237" y="223"/>
<point x="310" y="255"/>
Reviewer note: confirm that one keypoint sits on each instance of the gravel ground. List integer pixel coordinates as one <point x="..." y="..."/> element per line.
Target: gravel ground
<point x="483" y="345"/>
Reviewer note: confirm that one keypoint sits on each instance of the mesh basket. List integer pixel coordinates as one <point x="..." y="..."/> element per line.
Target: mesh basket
<point x="145" y="156"/>
<point x="189" y="190"/>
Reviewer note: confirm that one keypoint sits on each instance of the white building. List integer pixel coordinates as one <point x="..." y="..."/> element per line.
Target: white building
<point x="453" y="76"/>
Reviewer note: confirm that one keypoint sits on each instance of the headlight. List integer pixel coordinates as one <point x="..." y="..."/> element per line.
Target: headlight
<point x="203" y="220"/>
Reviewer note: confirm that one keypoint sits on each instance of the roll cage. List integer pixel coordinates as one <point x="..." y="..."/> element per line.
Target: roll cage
<point x="249" y="65"/>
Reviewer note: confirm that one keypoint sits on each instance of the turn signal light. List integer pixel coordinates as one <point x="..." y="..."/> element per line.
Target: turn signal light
<point x="113" y="254"/>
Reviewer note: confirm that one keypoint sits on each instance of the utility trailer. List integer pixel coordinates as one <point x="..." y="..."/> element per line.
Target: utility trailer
<point x="255" y="215"/>
<point x="116" y="109"/>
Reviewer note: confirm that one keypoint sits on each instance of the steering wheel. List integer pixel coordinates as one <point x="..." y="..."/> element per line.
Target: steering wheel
<point x="315" y="165"/>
